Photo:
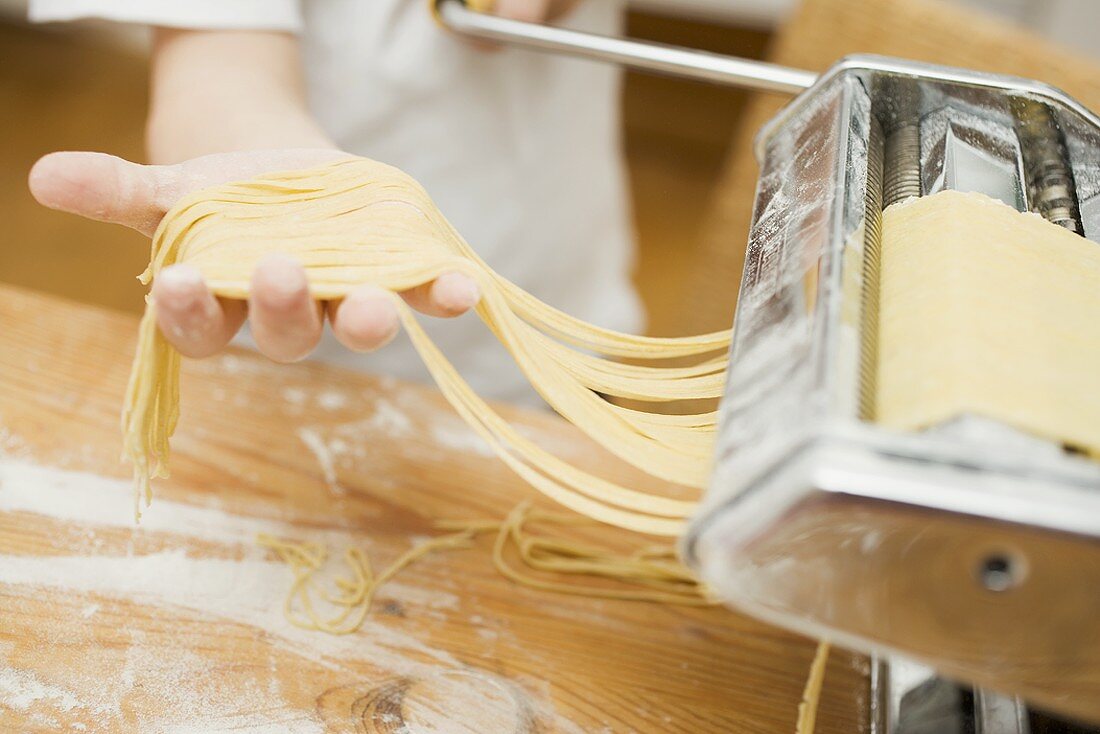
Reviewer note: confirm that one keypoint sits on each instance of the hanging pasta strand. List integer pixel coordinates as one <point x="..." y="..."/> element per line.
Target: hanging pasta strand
<point x="811" y="694"/>
<point x="357" y="222"/>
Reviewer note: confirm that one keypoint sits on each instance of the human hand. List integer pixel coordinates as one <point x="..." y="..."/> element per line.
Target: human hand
<point x="532" y="11"/>
<point x="286" y="321"/>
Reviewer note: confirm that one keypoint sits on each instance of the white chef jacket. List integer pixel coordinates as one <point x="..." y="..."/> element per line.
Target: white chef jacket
<point x="520" y="150"/>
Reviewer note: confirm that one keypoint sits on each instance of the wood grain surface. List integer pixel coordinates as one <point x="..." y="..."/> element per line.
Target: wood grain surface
<point x="176" y="625"/>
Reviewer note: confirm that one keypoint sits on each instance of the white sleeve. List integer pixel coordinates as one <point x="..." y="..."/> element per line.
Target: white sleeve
<point x="267" y="15"/>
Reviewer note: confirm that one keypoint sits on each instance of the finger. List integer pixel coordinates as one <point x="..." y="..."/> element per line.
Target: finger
<point x="99" y="186"/>
<point x="365" y="319"/>
<point x="530" y="11"/>
<point x="451" y="294"/>
<point x="189" y="315"/>
<point x="286" y="322"/>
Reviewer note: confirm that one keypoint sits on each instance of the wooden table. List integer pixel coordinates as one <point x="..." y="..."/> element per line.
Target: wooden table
<point x="176" y="624"/>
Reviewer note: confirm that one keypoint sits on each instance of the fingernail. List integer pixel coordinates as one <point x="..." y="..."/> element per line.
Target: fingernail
<point x="182" y="292"/>
<point x="380" y="302"/>
<point x="180" y="277"/>
<point x="284" y="276"/>
<point x="395" y="329"/>
<point x="190" y="312"/>
<point x="463" y="288"/>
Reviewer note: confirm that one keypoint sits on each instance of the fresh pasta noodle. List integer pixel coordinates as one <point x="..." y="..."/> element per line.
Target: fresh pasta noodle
<point x="652" y="573"/>
<point x="356" y="592"/>
<point x="358" y="221"/>
<point x="811" y="695"/>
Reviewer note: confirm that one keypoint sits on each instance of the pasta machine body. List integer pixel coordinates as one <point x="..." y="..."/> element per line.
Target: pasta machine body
<point x="971" y="545"/>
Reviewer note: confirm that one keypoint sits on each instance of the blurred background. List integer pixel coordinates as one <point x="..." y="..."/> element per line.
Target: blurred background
<point x="687" y="145"/>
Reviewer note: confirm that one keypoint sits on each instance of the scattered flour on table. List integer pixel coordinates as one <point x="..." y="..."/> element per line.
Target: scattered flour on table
<point x="221" y="395"/>
<point x="458" y="436"/>
<point x="339" y="445"/>
<point x="295" y="395"/>
<point x="243" y="724"/>
<point x="189" y="701"/>
<point x="19" y="689"/>
<point x="91" y="500"/>
<point x="12" y="444"/>
<point x="329" y="399"/>
<point x="41" y="702"/>
<point x="248" y="591"/>
<point x="234" y="364"/>
<point x="321" y="449"/>
<point x="419" y="596"/>
<point x="245" y="592"/>
<point x="332" y="400"/>
<point x="386" y="417"/>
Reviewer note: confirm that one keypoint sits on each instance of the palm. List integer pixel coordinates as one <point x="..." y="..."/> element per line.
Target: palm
<point x="286" y="322"/>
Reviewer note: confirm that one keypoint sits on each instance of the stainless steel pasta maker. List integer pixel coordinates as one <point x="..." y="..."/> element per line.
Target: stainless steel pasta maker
<point x="970" y="550"/>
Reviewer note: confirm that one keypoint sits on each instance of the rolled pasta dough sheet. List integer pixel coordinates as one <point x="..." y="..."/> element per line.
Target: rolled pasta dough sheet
<point x="990" y="311"/>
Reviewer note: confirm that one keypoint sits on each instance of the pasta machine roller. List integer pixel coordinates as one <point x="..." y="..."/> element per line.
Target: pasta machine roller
<point x="971" y="547"/>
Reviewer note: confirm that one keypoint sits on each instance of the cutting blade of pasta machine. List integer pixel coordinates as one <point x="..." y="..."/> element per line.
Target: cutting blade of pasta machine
<point x="972" y="547"/>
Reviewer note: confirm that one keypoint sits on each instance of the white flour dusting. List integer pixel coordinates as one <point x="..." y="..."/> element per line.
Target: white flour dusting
<point x="187" y="699"/>
<point x="241" y="724"/>
<point x="460" y="437"/>
<point x="340" y="445"/>
<point x="430" y="598"/>
<point x="332" y="400"/>
<point x="294" y="395"/>
<point x="11" y="444"/>
<point x="386" y="417"/>
<point x="188" y="702"/>
<point x="92" y="500"/>
<point x="248" y="592"/>
<point x="19" y="689"/>
<point x="316" y="444"/>
<point x="227" y="363"/>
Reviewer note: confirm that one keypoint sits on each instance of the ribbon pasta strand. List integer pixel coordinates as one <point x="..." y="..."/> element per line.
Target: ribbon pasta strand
<point x="358" y="221"/>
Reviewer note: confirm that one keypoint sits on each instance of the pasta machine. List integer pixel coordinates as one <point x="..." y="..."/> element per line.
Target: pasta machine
<point x="970" y="550"/>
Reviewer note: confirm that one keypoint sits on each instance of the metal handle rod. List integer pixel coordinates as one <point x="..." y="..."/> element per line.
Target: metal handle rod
<point x="728" y="70"/>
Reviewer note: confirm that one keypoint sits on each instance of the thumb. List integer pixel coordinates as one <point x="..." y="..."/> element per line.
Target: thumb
<point x="101" y="187"/>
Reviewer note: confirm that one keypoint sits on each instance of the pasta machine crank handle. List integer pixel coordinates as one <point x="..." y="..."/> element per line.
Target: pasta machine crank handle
<point x="647" y="56"/>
